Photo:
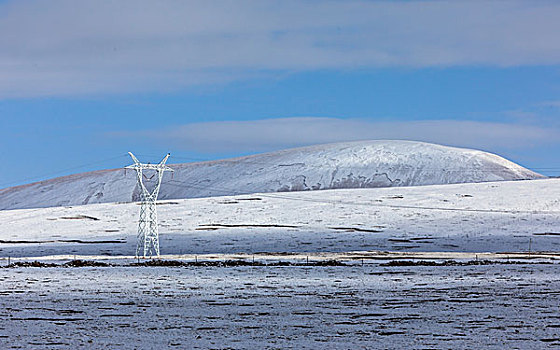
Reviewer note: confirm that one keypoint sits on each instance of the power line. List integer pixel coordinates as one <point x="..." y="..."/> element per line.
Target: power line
<point x="227" y="191"/>
<point x="276" y="195"/>
<point x="394" y="206"/>
<point x="38" y="177"/>
<point x="249" y="160"/>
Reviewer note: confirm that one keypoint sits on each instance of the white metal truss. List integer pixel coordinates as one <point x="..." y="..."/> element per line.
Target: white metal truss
<point x="148" y="235"/>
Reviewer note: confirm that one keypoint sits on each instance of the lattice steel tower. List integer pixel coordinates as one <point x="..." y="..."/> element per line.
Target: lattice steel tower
<point x="148" y="235"/>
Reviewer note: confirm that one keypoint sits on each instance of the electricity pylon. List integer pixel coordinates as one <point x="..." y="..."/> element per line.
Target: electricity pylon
<point x="148" y="235"/>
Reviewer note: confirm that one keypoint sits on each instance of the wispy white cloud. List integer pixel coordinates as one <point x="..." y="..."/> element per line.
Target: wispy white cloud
<point x="66" y="47"/>
<point x="272" y="134"/>
<point x="546" y="114"/>
<point x="550" y="104"/>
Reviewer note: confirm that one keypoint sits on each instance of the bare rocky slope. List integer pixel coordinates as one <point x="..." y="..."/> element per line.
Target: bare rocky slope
<point x="362" y="164"/>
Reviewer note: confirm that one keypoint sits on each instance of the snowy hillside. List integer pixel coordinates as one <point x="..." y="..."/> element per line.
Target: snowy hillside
<point x="363" y="164"/>
<point x="508" y="216"/>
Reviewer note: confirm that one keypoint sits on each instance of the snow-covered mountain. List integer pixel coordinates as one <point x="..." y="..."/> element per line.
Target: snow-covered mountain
<point x="363" y="164"/>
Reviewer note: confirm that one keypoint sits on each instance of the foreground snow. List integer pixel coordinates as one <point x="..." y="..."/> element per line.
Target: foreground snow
<point x="490" y="217"/>
<point x="363" y="164"/>
<point x="373" y="307"/>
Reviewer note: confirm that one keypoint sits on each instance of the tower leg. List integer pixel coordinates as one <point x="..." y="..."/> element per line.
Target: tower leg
<point x="151" y="245"/>
<point x="142" y="230"/>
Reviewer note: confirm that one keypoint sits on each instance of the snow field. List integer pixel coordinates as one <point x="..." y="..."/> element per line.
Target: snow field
<point x="513" y="216"/>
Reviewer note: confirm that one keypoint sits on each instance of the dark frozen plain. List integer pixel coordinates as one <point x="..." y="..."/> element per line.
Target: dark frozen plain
<point x="512" y="306"/>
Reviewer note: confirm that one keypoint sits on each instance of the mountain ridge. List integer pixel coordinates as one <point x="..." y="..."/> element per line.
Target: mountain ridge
<point x="358" y="164"/>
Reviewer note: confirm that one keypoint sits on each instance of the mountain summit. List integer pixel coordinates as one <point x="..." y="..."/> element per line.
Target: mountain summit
<point x="362" y="164"/>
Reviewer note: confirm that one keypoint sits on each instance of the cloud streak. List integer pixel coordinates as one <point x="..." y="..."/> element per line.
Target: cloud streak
<point x="65" y="47"/>
<point x="273" y="134"/>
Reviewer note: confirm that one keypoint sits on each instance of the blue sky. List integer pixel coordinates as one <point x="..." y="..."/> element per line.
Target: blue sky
<point x="84" y="82"/>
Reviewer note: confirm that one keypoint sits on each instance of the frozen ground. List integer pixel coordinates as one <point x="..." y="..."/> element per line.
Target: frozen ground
<point x="351" y="307"/>
<point x="517" y="216"/>
<point x="502" y="306"/>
